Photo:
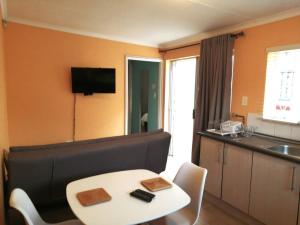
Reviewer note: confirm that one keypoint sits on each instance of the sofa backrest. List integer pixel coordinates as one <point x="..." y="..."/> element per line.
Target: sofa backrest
<point x="44" y="171"/>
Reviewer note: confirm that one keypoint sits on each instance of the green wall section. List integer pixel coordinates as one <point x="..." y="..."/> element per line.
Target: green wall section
<point x="153" y="95"/>
<point x="135" y="97"/>
<point x="138" y="69"/>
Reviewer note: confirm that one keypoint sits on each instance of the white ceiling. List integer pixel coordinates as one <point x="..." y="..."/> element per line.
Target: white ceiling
<point x="149" y="22"/>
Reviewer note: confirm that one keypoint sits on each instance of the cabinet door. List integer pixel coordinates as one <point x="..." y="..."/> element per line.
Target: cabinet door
<point x="274" y="190"/>
<point x="237" y="167"/>
<point x="211" y="158"/>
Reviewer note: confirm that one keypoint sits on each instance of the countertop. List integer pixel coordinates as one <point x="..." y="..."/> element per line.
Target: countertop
<point x="260" y="143"/>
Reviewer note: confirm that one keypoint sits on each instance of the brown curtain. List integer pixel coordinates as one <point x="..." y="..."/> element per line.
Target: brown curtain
<point x="213" y="87"/>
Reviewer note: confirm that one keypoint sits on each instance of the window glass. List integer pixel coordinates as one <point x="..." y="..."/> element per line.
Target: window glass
<point x="282" y="90"/>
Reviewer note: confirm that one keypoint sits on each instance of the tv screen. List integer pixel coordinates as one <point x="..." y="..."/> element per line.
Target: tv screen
<point x="93" y="80"/>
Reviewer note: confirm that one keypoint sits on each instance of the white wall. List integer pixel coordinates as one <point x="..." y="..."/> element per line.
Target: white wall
<point x="284" y="130"/>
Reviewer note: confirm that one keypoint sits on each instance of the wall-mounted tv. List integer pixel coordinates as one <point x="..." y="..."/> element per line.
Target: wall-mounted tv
<point x="93" y="80"/>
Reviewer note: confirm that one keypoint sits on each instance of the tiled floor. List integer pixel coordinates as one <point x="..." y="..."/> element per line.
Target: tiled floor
<point x="211" y="215"/>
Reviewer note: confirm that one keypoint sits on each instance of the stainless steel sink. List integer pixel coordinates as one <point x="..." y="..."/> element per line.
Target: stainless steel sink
<point x="286" y="149"/>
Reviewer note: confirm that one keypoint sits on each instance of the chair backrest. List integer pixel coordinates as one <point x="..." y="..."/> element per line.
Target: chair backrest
<point x="21" y="202"/>
<point x="191" y="179"/>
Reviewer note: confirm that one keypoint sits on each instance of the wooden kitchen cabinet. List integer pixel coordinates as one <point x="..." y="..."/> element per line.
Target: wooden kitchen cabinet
<point x="237" y="167"/>
<point x="274" y="195"/>
<point x="211" y="158"/>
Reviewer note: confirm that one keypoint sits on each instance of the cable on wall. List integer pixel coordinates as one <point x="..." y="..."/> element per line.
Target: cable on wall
<point x="74" y="117"/>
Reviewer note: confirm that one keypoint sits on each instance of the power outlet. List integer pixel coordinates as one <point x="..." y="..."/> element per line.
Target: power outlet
<point x="244" y="100"/>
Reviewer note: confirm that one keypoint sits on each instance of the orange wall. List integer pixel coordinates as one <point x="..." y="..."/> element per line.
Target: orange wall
<point x="40" y="102"/>
<point x="3" y="105"/>
<point x="3" y="117"/>
<point x="182" y="52"/>
<point x="250" y="61"/>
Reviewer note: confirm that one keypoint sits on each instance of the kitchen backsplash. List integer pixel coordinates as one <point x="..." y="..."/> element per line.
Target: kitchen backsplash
<point x="278" y="129"/>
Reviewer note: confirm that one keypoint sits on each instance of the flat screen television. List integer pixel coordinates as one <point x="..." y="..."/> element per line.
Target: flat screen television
<point x="93" y="80"/>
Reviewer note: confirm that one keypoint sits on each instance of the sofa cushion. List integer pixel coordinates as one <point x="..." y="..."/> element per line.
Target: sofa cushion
<point x="56" y="146"/>
<point x="56" y="213"/>
<point x="156" y="157"/>
<point x="44" y="171"/>
<point x="50" y="214"/>
<point x="32" y="173"/>
<point x="94" y="160"/>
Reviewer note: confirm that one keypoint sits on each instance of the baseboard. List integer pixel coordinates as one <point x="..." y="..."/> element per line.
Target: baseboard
<point x="231" y="210"/>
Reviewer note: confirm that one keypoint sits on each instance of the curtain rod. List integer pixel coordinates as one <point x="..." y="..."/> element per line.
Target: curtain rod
<point x="237" y="35"/>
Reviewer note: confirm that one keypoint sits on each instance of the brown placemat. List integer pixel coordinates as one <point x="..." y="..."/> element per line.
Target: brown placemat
<point x="92" y="197"/>
<point x="156" y="184"/>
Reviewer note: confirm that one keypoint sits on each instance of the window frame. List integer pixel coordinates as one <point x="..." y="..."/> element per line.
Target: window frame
<point x="269" y="50"/>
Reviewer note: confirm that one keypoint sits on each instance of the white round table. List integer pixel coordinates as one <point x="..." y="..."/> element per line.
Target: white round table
<point x="123" y="209"/>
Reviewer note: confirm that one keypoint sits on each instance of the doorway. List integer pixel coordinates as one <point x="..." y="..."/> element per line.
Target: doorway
<point x="142" y="95"/>
<point x="180" y="95"/>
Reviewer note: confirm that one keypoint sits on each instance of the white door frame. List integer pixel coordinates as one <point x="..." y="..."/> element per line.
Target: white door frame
<point x="160" y="91"/>
<point x="168" y="122"/>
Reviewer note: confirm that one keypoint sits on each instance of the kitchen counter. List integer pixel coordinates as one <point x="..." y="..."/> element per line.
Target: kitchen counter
<point x="261" y="143"/>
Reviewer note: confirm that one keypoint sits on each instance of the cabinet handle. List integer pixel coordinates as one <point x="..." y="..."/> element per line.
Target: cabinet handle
<point x="293" y="175"/>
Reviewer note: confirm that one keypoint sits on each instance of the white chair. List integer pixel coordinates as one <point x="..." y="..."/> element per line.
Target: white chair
<point x="21" y="202"/>
<point x="191" y="179"/>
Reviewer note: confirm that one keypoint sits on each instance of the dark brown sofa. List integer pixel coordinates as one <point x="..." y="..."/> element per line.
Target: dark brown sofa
<point x="44" y="171"/>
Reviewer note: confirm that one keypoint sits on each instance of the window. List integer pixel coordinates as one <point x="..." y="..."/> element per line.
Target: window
<point x="282" y="90"/>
